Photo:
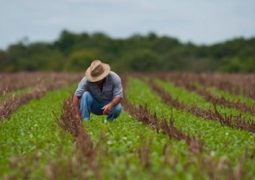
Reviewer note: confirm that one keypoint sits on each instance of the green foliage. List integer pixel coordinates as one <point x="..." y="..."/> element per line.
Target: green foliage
<point x="137" y="53"/>
<point x="238" y="64"/>
<point x="66" y="41"/>
<point x="214" y="136"/>
<point x="192" y="98"/>
<point x="125" y="138"/>
<point x="33" y="143"/>
<point x="34" y="129"/>
<point x="14" y="94"/>
<point x="81" y="59"/>
<point x="142" y="60"/>
<point x="231" y="97"/>
<point x="218" y="142"/>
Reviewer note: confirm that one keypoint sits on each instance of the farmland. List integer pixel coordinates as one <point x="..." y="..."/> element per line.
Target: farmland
<point x="173" y="125"/>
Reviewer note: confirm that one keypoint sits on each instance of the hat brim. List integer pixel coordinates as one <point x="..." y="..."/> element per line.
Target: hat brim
<point x="90" y="78"/>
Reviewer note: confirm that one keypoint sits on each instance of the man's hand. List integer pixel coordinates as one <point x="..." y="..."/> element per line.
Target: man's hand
<point x="107" y="108"/>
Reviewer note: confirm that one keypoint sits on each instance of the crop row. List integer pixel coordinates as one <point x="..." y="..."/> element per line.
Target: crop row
<point x="84" y="159"/>
<point x="231" y="121"/>
<point x="194" y="99"/>
<point x="39" y="90"/>
<point x="240" y="84"/>
<point x="32" y="137"/>
<point x="108" y="134"/>
<point x="156" y="141"/>
<point x="99" y="157"/>
<point x="140" y="94"/>
<point x="15" y="81"/>
<point x="192" y="85"/>
<point x="213" y="135"/>
<point x="141" y="113"/>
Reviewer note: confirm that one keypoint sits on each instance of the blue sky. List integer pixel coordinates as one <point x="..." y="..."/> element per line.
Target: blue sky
<point x="199" y="21"/>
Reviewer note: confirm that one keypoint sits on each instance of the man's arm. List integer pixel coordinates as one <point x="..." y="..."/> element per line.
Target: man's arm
<point x="117" y="94"/>
<point x="76" y="104"/>
<point x="108" y="107"/>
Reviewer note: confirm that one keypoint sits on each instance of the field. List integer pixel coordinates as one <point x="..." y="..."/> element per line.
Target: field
<point x="173" y="126"/>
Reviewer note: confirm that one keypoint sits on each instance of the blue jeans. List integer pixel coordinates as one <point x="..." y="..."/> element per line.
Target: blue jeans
<point x="89" y="104"/>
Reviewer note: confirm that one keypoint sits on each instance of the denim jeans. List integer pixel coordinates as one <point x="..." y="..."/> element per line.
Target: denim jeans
<point x="89" y="104"/>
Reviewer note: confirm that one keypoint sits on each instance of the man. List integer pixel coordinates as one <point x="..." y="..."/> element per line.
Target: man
<point x="99" y="92"/>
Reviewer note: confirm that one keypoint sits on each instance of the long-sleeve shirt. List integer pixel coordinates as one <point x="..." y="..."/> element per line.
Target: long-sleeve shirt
<point x="112" y="88"/>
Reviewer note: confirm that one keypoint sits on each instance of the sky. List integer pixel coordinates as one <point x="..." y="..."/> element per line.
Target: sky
<point x="198" y="21"/>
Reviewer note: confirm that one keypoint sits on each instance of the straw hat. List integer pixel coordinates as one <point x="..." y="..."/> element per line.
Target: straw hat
<point x="97" y="71"/>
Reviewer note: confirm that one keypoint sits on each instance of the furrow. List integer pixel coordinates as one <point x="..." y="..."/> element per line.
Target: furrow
<point x="189" y="85"/>
<point x="230" y="121"/>
<point x="141" y="113"/>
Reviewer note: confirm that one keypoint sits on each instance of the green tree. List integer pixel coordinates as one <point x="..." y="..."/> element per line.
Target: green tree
<point x="141" y="60"/>
<point x="80" y="60"/>
<point x="66" y="41"/>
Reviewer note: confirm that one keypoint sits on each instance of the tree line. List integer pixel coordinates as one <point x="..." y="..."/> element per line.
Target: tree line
<point x="150" y="52"/>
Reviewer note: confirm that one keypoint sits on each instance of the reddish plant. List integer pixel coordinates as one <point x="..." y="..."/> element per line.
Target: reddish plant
<point x="14" y="81"/>
<point x="231" y="121"/>
<point x="188" y="83"/>
<point x="70" y="122"/>
<point x="142" y="114"/>
<point x="57" y="81"/>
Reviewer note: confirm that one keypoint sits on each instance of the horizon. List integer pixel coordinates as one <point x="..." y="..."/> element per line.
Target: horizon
<point x="197" y="21"/>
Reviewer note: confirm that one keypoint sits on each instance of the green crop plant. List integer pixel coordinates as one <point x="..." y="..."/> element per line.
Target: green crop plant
<point x="15" y="93"/>
<point x="33" y="144"/>
<point x="191" y="98"/>
<point x="231" y="97"/>
<point x="33" y="129"/>
<point x="218" y="140"/>
<point x="125" y="138"/>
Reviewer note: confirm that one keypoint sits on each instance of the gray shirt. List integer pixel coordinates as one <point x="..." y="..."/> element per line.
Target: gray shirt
<point x="112" y="88"/>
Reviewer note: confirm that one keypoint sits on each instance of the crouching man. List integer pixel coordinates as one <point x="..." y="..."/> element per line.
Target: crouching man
<point x="99" y="92"/>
